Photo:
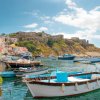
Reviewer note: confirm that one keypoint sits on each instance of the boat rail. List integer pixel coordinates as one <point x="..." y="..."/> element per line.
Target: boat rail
<point x="38" y="80"/>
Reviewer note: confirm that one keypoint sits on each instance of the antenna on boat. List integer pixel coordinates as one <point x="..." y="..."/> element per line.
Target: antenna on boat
<point x="57" y="69"/>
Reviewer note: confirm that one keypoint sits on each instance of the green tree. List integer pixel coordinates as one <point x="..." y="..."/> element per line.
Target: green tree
<point x="50" y="43"/>
<point x="28" y="44"/>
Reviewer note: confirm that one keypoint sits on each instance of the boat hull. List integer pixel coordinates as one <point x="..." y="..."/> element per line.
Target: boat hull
<point x="66" y="58"/>
<point x="38" y="72"/>
<point x="44" y="90"/>
<point x="7" y="74"/>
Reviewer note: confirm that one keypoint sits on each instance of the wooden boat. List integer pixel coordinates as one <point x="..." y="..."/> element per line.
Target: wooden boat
<point x="26" y="71"/>
<point x="7" y="74"/>
<point x="66" y="57"/>
<point x="63" y="85"/>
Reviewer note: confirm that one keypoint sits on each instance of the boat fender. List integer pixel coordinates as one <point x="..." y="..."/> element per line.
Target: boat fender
<point x="98" y="82"/>
<point x="76" y="86"/>
<point x="49" y="79"/>
<point x="88" y="85"/>
<point x="63" y="88"/>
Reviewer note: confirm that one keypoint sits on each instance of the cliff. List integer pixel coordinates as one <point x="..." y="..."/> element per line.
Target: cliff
<point x="43" y="43"/>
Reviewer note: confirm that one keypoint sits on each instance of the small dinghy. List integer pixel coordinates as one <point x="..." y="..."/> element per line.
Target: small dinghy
<point x="30" y="71"/>
<point x="63" y="84"/>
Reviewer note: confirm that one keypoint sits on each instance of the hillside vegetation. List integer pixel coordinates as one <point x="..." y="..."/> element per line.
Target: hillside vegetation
<point x="43" y="43"/>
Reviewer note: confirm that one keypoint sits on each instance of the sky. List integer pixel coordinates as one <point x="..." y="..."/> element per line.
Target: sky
<point x="71" y="18"/>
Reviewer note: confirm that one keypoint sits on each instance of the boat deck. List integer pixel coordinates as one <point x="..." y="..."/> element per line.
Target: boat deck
<point x="70" y="79"/>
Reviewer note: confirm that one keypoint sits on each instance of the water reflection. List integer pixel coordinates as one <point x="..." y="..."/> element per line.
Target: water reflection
<point x="14" y="89"/>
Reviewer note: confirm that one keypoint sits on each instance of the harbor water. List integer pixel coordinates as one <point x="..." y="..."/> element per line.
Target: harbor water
<point x="15" y="89"/>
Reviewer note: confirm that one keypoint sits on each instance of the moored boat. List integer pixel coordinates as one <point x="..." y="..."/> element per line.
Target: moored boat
<point x="63" y="85"/>
<point x="7" y="74"/>
<point x="26" y="71"/>
<point x="66" y="57"/>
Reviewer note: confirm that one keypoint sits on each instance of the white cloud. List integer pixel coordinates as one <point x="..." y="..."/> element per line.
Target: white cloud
<point x="27" y="30"/>
<point x="80" y="18"/>
<point x="41" y="29"/>
<point x="33" y="25"/>
<point x="88" y="22"/>
<point x="70" y="3"/>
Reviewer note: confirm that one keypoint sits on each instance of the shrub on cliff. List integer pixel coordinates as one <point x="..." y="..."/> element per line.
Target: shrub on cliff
<point x="29" y="44"/>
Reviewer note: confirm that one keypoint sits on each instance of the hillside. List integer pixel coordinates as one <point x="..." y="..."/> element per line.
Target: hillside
<point x="43" y="43"/>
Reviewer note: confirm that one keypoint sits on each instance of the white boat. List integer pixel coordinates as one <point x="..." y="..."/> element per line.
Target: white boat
<point x="63" y="85"/>
<point x="26" y="71"/>
<point x="85" y="61"/>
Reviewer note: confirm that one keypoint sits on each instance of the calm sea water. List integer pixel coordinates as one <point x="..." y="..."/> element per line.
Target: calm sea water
<point x="14" y="89"/>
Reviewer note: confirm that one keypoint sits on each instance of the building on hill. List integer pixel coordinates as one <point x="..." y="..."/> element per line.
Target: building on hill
<point x="57" y="37"/>
<point x="82" y="41"/>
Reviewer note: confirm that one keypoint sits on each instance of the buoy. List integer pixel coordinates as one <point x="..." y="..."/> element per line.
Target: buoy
<point x="1" y="80"/>
<point x="63" y="87"/>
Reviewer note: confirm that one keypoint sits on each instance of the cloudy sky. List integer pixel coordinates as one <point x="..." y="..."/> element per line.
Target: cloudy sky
<point x="72" y="18"/>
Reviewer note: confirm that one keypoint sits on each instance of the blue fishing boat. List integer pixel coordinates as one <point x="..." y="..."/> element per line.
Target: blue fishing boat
<point x="7" y="74"/>
<point x="66" y="57"/>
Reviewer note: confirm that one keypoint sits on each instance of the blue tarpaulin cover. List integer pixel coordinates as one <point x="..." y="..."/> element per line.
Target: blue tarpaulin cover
<point x="62" y="76"/>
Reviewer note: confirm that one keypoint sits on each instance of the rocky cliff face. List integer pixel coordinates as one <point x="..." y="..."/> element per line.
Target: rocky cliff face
<point x="42" y="43"/>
